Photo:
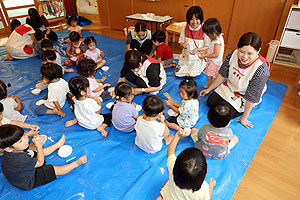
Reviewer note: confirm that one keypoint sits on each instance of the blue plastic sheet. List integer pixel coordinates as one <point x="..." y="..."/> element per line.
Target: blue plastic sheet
<point x="116" y="168"/>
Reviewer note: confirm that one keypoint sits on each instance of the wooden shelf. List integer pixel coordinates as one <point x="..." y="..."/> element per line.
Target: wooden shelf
<point x="285" y="63"/>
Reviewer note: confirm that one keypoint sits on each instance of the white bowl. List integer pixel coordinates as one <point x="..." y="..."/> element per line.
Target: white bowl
<point x="109" y="105"/>
<point x="40" y="102"/>
<point x="74" y="59"/>
<point x="36" y="91"/>
<point x="105" y="68"/>
<point x="111" y="89"/>
<point x="138" y="107"/>
<point x="172" y="113"/>
<point x="65" y="151"/>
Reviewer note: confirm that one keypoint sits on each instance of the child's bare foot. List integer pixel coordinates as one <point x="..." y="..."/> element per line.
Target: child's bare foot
<point x="159" y="197"/>
<point x="205" y="86"/>
<point x="70" y="123"/>
<point x="169" y="139"/>
<point x="82" y="160"/>
<point x="102" y="131"/>
<point x="61" y="141"/>
<point x="6" y="57"/>
<point x="69" y="70"/>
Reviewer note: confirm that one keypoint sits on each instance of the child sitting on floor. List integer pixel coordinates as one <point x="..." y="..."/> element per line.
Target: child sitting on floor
<point x="215" y="139"/>
<point x="124" y="113"/>
<point x="93" y="52"/>
<point x="73" y="26"/>
<point x="163" y="52"/>
<point x="75" y="50"/>
<point x="188" y="109"/>
<point x="39" y="36"/>
<point x="87" y="110"/>
<point x="48" y="45"/>
<point x="12" y="105"/>
<point x="87" y="68"/>
<point x="24" y="168"/>
<point x="57" y="90"/>
<point x="150" y="132"/>
<point x="186" y="174"/>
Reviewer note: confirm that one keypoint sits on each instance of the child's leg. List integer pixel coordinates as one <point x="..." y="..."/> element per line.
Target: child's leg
<point x="52" y="111"/>
<point x="62" y="170"/>
<point x="233" y="142"/>
<point x="168" y="139"/>
<point x="194" y="134"/>
<point x="71" y="122"/>
<point x="106" y="123"/>
<point x="159" y="197"/>
<point x="69" y="62"/>
<point x="48" y="150"/>
<point x="100" y="64"/>
<point x="173" y="126"/>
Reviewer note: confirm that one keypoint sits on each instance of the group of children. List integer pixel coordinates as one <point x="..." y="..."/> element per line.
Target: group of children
<point x="85" y="94"/>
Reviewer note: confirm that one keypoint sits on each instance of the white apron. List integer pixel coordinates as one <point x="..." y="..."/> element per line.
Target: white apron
<point x="234" y="88"/>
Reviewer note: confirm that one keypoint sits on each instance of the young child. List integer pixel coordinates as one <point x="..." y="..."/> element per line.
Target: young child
<point x="75" y="50"/>
<point x="87" y="68"/>
<point x="73" y="26"/>
<point x="163" y="52"/>
<point x="24" y="168"/>
<point x="214" y="46"/>
<point x="39" y="36"/>
<point x="124" y="113"/>
<point x="215" y="139"/>
<point x="50" y="56"/>
<point x="14" y="24"/>
<point x="87" y="110"/>
<point x="47" y="44"/>
<point x="57" y="90"/>
<point x="186" y="174"/>
<point x="93" y="52"/>
<point x="150" y="132"/>
<point x="12" y="105"/>
<point x="188" y="109"/>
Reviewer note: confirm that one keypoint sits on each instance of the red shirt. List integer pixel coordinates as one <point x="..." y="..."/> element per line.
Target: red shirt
<point x="164" y="52"/>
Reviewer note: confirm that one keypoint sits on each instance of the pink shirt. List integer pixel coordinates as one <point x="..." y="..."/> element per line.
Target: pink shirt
<point x="76" y="28"/>
<point x="93" y="86"/>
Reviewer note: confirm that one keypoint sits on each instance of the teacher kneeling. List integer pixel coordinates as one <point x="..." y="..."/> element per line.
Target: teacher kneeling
<point x="247" y="73"/>
<point x="143" y="71"/>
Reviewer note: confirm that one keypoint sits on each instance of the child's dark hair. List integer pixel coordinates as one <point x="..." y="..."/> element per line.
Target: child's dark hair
<point x="72" y="18"/>
<point x="123" y="89"/>
<point x="51" y="71"/>
<point x="153" y="105"/>
<point x="219" y="115"/>
<point x="49" y="55"/>
<point x="190" y="169"/>
<point x="88" y="40"/>
<point x="39" y="35"/>
<point x="32" y="12"/>
<point x="86" y="67"/>
<point x="194" y="10"/>
<point x="76" y="85"/>
<point x="133" y="58"/>
<point x="14" y="24"/>
<point x="159" y="36"/>
<point x="140" y="26"/>
<point x="1" y="107"/>
<point x="3" y="89"/>
<point x="47" y="44"/>
<point x="10" y="134"/>
<point x="74" y="36"/>
<point x="190" y="86"/>
<point x="211" y="27"/>
<point x="250" y="38"/>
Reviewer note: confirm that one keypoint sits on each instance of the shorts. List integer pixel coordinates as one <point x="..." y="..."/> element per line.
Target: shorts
<point x="173" y="119"/>
<point x="43" y="175"/>
<point x="105" y="95"/>
<point x="41" y="110"/>
<point x="107" y="118"/>
<point x="168" y="62"/>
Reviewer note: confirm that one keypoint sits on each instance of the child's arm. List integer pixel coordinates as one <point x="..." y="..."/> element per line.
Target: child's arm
<point x="175" y="103"/>
<point x="216" y="52"/>
<point x="168" y="103"/>
<point x="101" y="87"/>
<point x="18" y="101"/>
<point x="101" y="80"/>
<point x="32" y="133"/>
<point x="166" y="132"/>
<point x="147" y="90"/>
<point x="38" y="142"/>
<point x="181" y="133"/>
<point x="59" y="110"/>
<point x="68" y="51"/>
<point x="99" y="103"/>
<point x="24" y="125"/>
<point x="212" y="184"/>
<point x="71" y="122"/>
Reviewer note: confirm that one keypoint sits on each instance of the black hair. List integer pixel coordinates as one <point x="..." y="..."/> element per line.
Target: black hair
<point x="3" y="89"/>
<point x="74" y="36"/>
<point x="39" y="35"/>
<point x="133" y="58"/>
<point x="123" y="89"/>
<point x="219" y="115"/>
<point x="14" y="24"/>
<point x="86" y="67"/>
<point x="76" y="85"/>
<point x="35" y="22"/>
<point x="49" y="55"/>
<point x="153" y="105"/>
<point x="1" y="107"/>
<point x="159" y="36"/>
<point x="72" y="18"/>
<point x="88" y="40"/>
<point x="190" y="86"/>
<point x="212" y="26"/>
<point x="190" y="169"/>
<point x="51" y="71"/>
<point x="47" y="44"/>
<point x="194" y="11"/>
<point x="250" y="38"/>
<point x="140" y="26"/>
<point x="10" y="134"/>
<point x="32" y="12"/>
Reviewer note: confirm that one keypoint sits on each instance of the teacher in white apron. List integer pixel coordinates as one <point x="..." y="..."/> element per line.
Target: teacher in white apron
<point x="242" y="79"/>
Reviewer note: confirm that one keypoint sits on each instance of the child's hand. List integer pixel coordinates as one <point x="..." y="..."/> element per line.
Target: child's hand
<point x="15" y="97"/>
<point x="201" y="55"/>
<point x="61" y="113"/>
<point x="32" y="133"/>
<point x="168" y="103"/>
<point x="106" y="85"/>
<point x="34" y="127"/>
<point x="103" y="79"/>
<point x="162" y="117"/>
<point x="38" y="140"/>
<point x="134" y="104"/>
<point x="212" y="183"/>
<point x="166" y="94"/>
<point x="184" y="132"/>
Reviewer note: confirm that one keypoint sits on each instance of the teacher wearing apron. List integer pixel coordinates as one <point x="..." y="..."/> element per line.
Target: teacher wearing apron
<point x="242" y="79"/>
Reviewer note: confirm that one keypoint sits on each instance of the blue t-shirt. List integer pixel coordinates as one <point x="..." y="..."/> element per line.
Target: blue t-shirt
<point x="123" y="116"/>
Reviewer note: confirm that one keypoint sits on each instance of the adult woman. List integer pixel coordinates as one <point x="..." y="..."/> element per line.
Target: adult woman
<point x="247" y="74"/>
<point x="145" y="72"/>
<point x="43" y="23"/>
<point x="191" y="40"/>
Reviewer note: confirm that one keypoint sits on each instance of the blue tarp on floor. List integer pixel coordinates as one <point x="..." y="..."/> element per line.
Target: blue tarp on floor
<point x="116" y="168"/>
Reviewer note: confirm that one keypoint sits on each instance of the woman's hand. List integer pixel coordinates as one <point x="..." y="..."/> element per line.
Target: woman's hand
<point x="204" y="92"/>
<point x="245" y="122"/>
<point x="201" y="55"/>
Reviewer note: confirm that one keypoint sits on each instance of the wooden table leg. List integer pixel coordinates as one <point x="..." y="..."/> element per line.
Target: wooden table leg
<point x="167" y="37"/>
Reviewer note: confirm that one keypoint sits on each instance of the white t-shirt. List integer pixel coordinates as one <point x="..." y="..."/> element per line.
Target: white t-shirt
<point x="57" y="91"/>
<point x="85" y="112"/>
<point x="92" y="55"/>
<point x="58" y="59"/>
<point x="210" y="44"/>
<point x="9" y="105"/>
<point x="172" y="192"/>
<point x="5" y="121"/>
<point x="149" y="135"/>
